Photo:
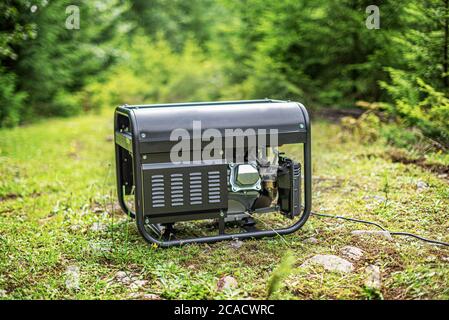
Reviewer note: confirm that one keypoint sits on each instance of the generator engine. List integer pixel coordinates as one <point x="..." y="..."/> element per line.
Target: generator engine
<point x="264" y="185"/>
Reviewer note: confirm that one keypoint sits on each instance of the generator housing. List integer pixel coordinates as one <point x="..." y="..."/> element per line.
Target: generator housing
<point x="230" y="185"/>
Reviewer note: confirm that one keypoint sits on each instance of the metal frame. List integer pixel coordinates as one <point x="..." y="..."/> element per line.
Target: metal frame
<point x="139" y="215"/>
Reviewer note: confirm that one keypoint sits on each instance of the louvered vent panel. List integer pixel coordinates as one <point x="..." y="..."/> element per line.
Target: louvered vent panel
<point x="196" y="188"/>
<point x="157" y="191"/>
<point x="213" y="186"/>
<point x="176" y="189"/>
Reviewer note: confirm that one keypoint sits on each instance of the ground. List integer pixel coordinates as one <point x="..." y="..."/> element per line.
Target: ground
<point x="62" y="235"/>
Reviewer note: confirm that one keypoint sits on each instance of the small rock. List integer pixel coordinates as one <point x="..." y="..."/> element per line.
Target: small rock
<point x="97" y="226"/>
<point x="123" y="277"/>
<point x="126" y="280"/>
<point x="236" y="244"/>
<point x="352" y="253"/>
<point x="227" y="282"/>
<point x="137" y="284"/>
<point x="151" y="296"/>
<point x="72" y="281"/>
<point x="443" y="176"/>
<point x="445" y="259"/>
<point x="135" y="295"/>
<point x="379" y="199"/>
<point x="120" y="275"/>
<point x="97" y="210"/>
<point x="3" y="293"/>
<point x="421" y="185"/>
<point x="75" y="227"/>
<point x="311" y="240"/>
<point x="373" y="277"/>
<point x="376" y="233"/>
<point x="144" y="296"/>
<point x="330" y="263"/>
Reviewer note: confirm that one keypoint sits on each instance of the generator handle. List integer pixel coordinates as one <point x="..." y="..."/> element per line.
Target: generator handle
<point x="120" y="193"/>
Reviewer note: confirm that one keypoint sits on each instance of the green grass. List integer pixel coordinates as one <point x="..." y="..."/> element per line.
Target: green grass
<point x="58" y="211"/>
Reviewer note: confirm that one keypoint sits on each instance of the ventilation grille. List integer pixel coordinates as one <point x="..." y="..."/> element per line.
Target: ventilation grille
<point x="196" y="188"/>
<point x="176" y="189"/>
<point x="213" y="186"/>
<point x="158" y="191"/>
<point x="189" y="189"/>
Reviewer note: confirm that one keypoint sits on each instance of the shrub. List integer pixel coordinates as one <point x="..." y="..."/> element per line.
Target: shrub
<point x="400" y="136"/>
<point x="366" y="127"/>
<point x="418" y="105"/>
<point x="11" y="102"/>
<point x="150" y="71"/>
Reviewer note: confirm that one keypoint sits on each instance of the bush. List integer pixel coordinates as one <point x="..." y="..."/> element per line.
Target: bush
<point x="150" y="71"/>
<point x="418" y="105"/>
<point x="65" y="104"/>
<point x="11" y="102"/>
<point x="365" y="128"/>
<point x="399" y="136"/>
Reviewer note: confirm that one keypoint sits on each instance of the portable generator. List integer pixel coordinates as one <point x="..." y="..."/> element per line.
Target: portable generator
<point x="212" y="160"/>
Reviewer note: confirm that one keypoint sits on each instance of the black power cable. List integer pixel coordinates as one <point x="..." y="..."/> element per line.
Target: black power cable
<point x="395" y="233"/>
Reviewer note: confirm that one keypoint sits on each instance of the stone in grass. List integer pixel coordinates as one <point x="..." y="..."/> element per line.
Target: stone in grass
<point x="98" y="227"/>
<point x="421" y="186"/>
<point x="137" y="284"/>
<point x="376" y="198"/>
<point x="236" y="244"/>
<point x="3" y="293"/>
<point x="144" y="296"/>
<point x="72" y="275"/>
<point x="120" y="275"/>
<point x="373" y="233"/>
<point x="330" y="263"/>
<point x="311" y="240"/>
<point x="351" y="252"/>
<point x="151" y="296"/>
<point x="132" y="281"/>
<point x="227" y="282"/>
<point x="373" y="277"/>
<point x="123" y="277"/>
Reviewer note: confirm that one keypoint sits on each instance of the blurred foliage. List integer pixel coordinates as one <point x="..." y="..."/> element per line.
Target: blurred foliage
<point x="150" y="71"/>
<point x="366" y="127"/>
<point x="417" y="104"/>
<point x="11" y="101"/>
<point x="143" y="51"/>
<point x="45" y="65"/>
<point x="282" y="271"/>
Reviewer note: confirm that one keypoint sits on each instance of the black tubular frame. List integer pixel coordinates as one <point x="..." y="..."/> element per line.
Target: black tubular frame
<point x="139" y="214"/>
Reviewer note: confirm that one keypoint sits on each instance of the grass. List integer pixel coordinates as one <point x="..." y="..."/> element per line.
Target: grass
<point x="59" y="221"/>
